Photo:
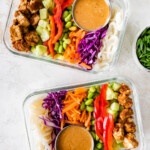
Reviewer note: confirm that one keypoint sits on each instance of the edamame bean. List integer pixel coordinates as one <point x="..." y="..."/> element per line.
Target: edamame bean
<point x="93" y="128"/>
<point x="70" y="11"/>
<point x="68" y="18"/>
<point x="82" y="106"/>
<point x="61" y="42"/>
<point x="74" y="24"/>
<point x="93" y="122"/>
<point x="68" y="24"/>
<point x="89" y="108"/>
<point x="67" y="41"/>
<point x="89" y="102"/>
<point x="56" y="46"/>
<point x="94" y="135"/>
<point x="99" y="145"/>
<point x="65" y="30"/>
<point x="96" y="138"/>
<point x="100" y="141"/>
<point x="65" y="14"/>
<point x="95" y="148"/>
<point x="60" y="50"/>
<point x="85" y="100"/>
<point x="90" y="95"/>
<point x="69" y="8"/>
<point x="65" y="36"/>
<point x="97" y="88"/>
<point x="64" y="45"/>
<point x="92" y="89"/>
<point x="73" y="28"/>
<point x="61" y="37"/>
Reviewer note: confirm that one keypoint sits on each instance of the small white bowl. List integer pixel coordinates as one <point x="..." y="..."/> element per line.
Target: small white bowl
<point x="134" y="54"/>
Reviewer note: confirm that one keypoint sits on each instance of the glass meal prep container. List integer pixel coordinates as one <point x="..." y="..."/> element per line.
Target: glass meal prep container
<point x="123" y="4"/>
<point x="43" y="93"/>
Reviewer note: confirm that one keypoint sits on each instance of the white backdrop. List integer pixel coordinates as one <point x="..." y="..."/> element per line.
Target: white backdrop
<point x="20" y="76"/>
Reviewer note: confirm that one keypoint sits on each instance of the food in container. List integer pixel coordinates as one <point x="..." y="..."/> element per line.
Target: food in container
<point x="141" y="49"/>
<point x="65" y="48"/>
<point x="107" y="109"/>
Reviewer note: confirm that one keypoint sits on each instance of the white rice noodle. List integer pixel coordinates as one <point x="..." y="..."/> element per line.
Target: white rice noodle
<point x="42" y="133"/>
<point x="111" y="40"/>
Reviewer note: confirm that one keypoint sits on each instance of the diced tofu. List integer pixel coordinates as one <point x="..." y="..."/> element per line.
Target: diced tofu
<point x="21" y="18"/>
<point x="34" y="6"/>
<point x="130" y="126"/>
<point x="35" y="19"/>
<point x="118" y="131"/>
<point x="15" y="32"/>
<point x="125" y="113"/>
<point x="130" y="141"/>
<point x="124" y="89"/>
<point x="21" y="46"/>
<point x="125" y="101"/>
<point x="32" y="38"/>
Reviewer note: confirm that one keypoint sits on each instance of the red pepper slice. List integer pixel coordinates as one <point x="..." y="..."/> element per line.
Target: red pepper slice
<point x="58" y="11"/>
<point x="103" y="102"/>
<point x="97" y="107"/>
<point x="59" y="33"/>
<point x="68" y="3"/>
<point x="108" y="129"/>
<point x="46" y="43"/>
<point x="51" y="47"/>
<point x="97" y="130"/>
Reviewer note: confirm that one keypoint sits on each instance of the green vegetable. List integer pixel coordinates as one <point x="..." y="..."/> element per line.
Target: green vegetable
<point x="65" y="14"/>
<point x="89" y="102"/>
<point x="116" y="86"/>
<point x="45" y="35"/>
<point x="60" y="49"/>
<point x="73" y="28"/>
<point x="94" y="135"/>
<point x="39" y="50"/>
<point x="68" y="24"/>
<point x="115" y="106"/>
<point x="39" y="30"/>
<point x="92" y="89"/>
<point x="68" y="18"/>
<point x="95" y="148"/>
<point x="99" y="145"/>
<point x="93" y="122"/>
<point x="143" y="48"/>
<point x="65" y="36"/>
<point x="110" y="95"/>
<point x="64" y="45"/>
<point x="69" y="8"/>
<point x="114" y="113"/>
<point x="97" y="88"/>
<point x="60" y="57"/>
<point x="90" y="95"/>
<point x="82" y="106"/>
<point x="43" y="23"/>
<point x="118" y="141"/>
<point x="43" y="13"/>
<point x="56" y="46"/>
<point x="89" y="108"/>
<point x="97" y="138"/>
<point x="67" y="41"/>
<point x="48" y="4"/>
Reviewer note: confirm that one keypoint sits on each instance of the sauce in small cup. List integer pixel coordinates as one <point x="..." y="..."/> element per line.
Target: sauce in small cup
<point x="74" y="137"/>
<point x="91" y="15"/>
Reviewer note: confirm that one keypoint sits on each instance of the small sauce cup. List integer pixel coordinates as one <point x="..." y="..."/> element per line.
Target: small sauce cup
<point x="57" y="137"/>
<point x="110" y="14"/>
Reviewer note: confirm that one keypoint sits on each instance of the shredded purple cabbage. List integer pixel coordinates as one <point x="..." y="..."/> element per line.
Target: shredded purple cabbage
<point x="53" y="102"/>
<point x="89" y="47"/>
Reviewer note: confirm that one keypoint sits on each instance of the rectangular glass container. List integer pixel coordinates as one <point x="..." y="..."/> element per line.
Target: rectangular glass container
<point x="43" y="93"/>
<point x="7" y="40"/>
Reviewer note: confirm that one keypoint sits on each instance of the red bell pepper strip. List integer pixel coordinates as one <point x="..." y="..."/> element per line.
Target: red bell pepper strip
<point x="68" y="3"/>
<point x="103" y="102"/>
<point x="108" y="129"/>
<point x="97" y="107"/>
<point x="46" y="43"/>
<point x="57" y="11"/>
<point x="59" y="32"/>
<point x="50" y="44"/>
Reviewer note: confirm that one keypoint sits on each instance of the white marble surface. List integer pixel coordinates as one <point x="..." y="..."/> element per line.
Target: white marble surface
<point x="20" y="76"/>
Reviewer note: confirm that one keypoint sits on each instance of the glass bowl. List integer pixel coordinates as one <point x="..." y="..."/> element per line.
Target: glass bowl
<point x="43" y="93"/>
<point x="134" y="53"/>
<point x="7" y="41"/>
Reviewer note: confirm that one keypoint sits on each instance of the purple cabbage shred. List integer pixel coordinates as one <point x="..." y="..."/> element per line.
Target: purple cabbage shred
<point x="89" y="47"/>
<point x="53" y="102"/>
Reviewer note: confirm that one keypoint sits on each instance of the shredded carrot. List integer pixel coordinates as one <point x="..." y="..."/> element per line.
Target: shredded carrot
<point x="72" y="110"/>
